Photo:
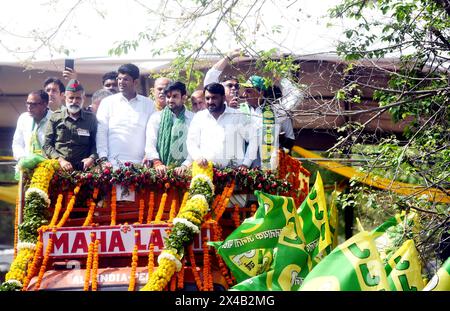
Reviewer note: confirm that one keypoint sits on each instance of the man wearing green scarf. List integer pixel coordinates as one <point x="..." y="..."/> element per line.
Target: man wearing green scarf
<point x="167" y="132"/>
<point x="268" y="122"/>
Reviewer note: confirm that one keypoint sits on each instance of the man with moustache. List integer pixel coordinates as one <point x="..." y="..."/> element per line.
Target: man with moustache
<point x="219" y="133"/>
<point x="30" y="130"/>
<point x="230" y="83"/>
<point x="71" y="132"/>
<point x="167" y="132"/>
<point x="158" y="92"/>
<point x="122" y="120"/>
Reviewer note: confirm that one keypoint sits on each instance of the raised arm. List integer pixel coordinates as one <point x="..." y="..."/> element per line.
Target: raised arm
<point x="213" y="74"/>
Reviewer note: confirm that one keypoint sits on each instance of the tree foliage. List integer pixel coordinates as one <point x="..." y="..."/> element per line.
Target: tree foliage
<point x="417" y="34"/>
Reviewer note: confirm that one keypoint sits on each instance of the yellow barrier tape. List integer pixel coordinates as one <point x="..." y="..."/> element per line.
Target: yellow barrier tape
<point x="432" y="194"/>
<point x="8" y="194"/>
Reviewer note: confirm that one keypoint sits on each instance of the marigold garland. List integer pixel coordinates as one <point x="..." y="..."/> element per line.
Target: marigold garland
<point x="113" y="205"/>
<point x="16" y="224"/>
<point x="173" y="210"/>
<point x="69" y="207"/>
<point x="32" y="267"/>
<point x="207" y="273"/>
<point x="173" y="282"/>
<point x="141" y="211"/>
<point x="95" y="266"/>
<point x="151" y="259"/>
<point x="180" y="275"/>
<point x="185" y="225"/>
<point x="151" y="206"/>
<point x="134" y="262"/>
<point x="87" y="273"/>
<point x="57" y="210"/>
<point x="48" y="250"/>
<point x="92" y="205"/>
<point x="19" y="266"/>
<point x="195" y="273"/>
<point x="160" y="212"/>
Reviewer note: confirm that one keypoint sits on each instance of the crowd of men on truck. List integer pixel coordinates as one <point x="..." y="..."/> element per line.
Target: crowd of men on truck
<point x="231" y="123"/>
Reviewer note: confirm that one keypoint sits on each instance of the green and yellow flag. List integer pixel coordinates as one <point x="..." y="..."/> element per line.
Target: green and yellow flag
<point x="314" y="222"/>
<point x="390" y="235"/>
<point x="441" y="280"/>
<point x="289" y="266"/>
<point x="355" y="265"/>
<point x="248" y="251"/>
<point x="404" y="270"/>
<point x="334" y="220"/>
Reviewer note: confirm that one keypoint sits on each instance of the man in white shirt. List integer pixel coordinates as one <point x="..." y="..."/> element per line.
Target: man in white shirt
<point x="122" y="120"/>
<point x="219" y="133"/>
<point x="291" y="94"/>
<point x="30" y="131"/>
<point x="231" y="84"/>
<point x="167" y="132"/>
<point x="268" y="122"/>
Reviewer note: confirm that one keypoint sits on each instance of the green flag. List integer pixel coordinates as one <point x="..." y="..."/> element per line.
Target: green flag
<point x="314" y="222"/>
<point x="404" y="270"/>
<point x="248" y="251"/>
<point x="289" y="266"/>
<point x="354" y="265"/>
<point x="390" y="235"/>
<point x="441" y="280"/>
<point x="334" y="220"/>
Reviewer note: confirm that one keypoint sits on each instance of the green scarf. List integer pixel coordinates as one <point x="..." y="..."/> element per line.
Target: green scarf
<point x="171" y="142"/>
<point x="35" y="145"/>
<point x="268" y="136"/>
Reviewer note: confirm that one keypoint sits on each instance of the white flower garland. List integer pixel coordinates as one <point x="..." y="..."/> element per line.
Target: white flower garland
<point x="14" y="282"/>
<point x="171" y="257"/>
<point x="204" y="178"/>
<point x="187" y="223"/>
<point x="31" y="246"/>
<point x="40" y="192"/>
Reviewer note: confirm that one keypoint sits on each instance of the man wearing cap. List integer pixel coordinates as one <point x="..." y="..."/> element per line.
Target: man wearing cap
<point x="268" y="123"/>
<point x="71" y="132"/>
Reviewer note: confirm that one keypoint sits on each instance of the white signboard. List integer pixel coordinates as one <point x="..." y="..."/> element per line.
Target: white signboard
<point x="114" y="240"/>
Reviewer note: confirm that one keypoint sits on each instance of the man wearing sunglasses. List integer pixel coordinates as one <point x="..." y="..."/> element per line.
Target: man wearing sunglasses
<point x="30" y="131"/>
<point x="230" y="83"/>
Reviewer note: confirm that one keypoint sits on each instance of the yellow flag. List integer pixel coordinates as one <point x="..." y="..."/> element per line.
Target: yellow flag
<point x="404" y="269"/>
<point x="441" y="280"/>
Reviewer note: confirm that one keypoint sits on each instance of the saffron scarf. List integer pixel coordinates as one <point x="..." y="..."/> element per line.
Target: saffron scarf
<point x="171" y="142"/>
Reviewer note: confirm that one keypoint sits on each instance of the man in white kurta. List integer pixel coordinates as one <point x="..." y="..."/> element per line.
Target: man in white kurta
<point x="256" y="95"/>
<point x="167" y="132"/>
<point x="122" y="120"/>
<point x="219" y="133"/>
<point x="30" y="130"/>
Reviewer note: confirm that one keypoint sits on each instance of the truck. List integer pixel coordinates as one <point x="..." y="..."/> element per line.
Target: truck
<point x="103" y="229"/>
